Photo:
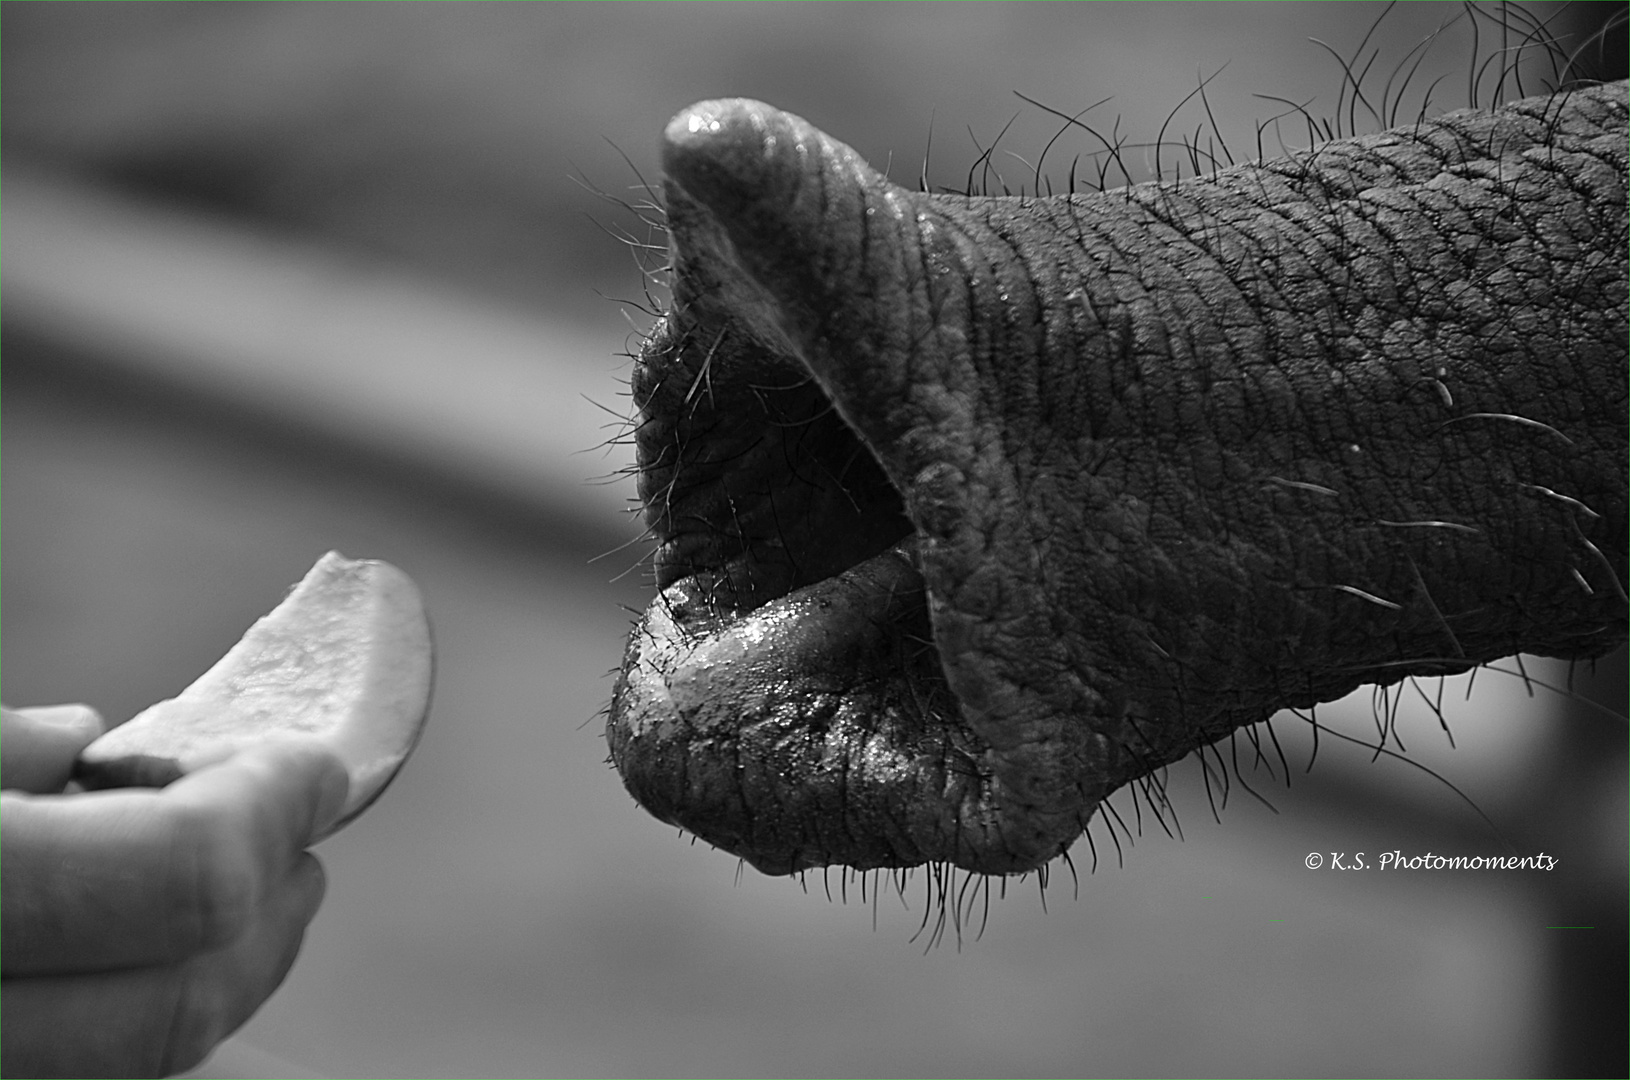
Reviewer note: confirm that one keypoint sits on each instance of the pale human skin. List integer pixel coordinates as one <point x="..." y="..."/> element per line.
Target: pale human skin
<point x="144" y="926"/>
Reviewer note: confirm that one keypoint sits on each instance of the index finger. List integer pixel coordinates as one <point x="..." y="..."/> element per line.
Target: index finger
<point x="129" y="877"/>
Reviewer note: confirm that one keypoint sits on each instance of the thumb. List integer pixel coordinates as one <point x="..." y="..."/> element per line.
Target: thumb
<point x="38" y="745"/>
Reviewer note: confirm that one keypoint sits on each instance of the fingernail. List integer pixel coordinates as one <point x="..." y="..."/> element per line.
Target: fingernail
<point x="336" y="786"/>
<point x="81" y="719"/>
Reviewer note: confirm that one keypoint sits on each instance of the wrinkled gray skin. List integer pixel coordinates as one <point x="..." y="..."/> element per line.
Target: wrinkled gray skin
<point x="973" y="509"/>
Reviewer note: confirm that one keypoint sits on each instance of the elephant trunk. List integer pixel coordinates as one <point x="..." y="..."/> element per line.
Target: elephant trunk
<point x="973" y="509"/>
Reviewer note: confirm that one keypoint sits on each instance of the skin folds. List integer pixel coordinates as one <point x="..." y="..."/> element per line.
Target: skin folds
<point x="971" y="509"/>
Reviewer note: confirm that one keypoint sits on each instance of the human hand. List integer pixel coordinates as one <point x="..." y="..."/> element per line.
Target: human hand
<point x="143" y="926"/>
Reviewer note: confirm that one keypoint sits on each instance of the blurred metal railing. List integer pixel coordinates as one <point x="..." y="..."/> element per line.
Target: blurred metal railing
<point x="498" y="397"/>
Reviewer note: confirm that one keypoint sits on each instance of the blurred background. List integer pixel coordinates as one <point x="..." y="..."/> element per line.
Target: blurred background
<point x="280" y="278"/>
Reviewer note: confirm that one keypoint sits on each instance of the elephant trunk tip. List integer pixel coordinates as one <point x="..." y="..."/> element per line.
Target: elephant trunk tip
<point x="733" y="152"/>
<point x="770" y="178"/>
